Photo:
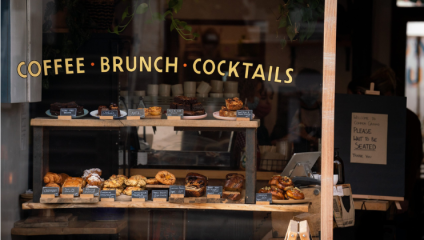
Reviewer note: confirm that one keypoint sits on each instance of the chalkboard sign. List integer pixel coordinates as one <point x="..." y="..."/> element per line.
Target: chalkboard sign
<point x="264" y="197"/>
<point x="94" y="191"/>
<point x="176" y="189"/>
<point x="160" y="194"/>
<point x="245" y="114"/>
<point x="366" y="172"/>
<point x="136" y="112"/>
<point x="108" y="194"/>
<point x="141" y="194"/>
<point x="71" y="190"/>
<point x="68" y="112"/>
<point x="113" y="113"/>
<point x="51" y="190"/>
<point x="214" y="190"/>
<point x="175" y="112"/>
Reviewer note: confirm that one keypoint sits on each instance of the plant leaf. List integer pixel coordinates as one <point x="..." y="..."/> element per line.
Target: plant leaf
<point x="175" y="5"/>
<point x="283" y="22"/>
<point x="291" y="32"/>
<point x="283" y="43"/>
<point x="172" y="26"/>
<point x="142" y="8"/>
<point x="302" y="36"/>
<point x="188" y="28"/>
<point x="125" y="14"/>
<point x="195" y="35"/>
<point x="311" y="28"/>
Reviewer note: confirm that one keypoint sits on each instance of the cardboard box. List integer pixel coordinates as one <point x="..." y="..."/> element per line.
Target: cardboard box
<point x="344" y="208"/>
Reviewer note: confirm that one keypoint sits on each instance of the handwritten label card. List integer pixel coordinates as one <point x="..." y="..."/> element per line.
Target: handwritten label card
<point x="68" y="112"/>
<point x="71" y="190"/>
<point x="369" y="138"/>
<point x="175" y="112"/>
<point x="245" y="114"/>
<point x="140" y="194"/>
<point x="113" y="113"/>
<point x="136" y="112"/>
<point x="51" y="190"/>
<point x="94" y="191"/>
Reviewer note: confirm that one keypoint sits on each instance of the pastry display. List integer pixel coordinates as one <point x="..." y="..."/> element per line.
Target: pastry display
<point x="54" y="185"/>
<point x="94" y="180"/>
<point x="92" y="170"/>
<point x="155" y="111"/>
<point x="136" y="181"/>
<point x="231" y="107"/>
<point x="195" y="185"/>
<point x="63" y="177"/>
<point x="74" y="182"/>
<point x="234" y="182"/>
<point x="114" y="182"/>
<point x="231" y="195"/>
<point x="128" y="191"/>
<point x="112" y="106"/>
<point x="52" y="178"/>
<point x="165" y="177"/>
<point x="190" y="105"/>
<point x="152" y="181"/>
<point x="55" y="108"/>
<point x="282" y="188"/>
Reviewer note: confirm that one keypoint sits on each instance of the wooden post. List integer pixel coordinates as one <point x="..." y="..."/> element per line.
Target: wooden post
<point x="40" y="160"/>
<point x="250" y="165"/>
<point x="327" y="149"/>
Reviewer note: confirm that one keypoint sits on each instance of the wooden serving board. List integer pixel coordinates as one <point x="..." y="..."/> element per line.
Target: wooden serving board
<point x="69" y="200"/>
<point x="60" y="217"/>
<point x="204" y="199"/>
<point x="157" y="186"/>
<point x="242" y="200"/>
<point x="306" y="200"/>
<point x="123" y="197"/>
<point x="22" y="224"/>
<point x="153" y="117"/>
<point x="188" y="200"/>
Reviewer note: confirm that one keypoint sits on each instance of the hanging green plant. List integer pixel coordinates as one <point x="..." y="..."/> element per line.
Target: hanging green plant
<point x="185" y="31"/>
<point x="298" y="18"/>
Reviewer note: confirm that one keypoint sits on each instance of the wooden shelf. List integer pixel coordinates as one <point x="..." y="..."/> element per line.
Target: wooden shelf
<point x="211" y="174"/>
<point x="371" y="205"/>
<point x="77" y="227"/>
<point x="304" y="207"/>
<point x="94" y="122"/>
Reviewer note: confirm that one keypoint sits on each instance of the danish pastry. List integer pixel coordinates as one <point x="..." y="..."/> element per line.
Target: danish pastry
<point x="277" y="194"/>
<point x="113" y="183"/>
<point x="136" y="181"/>
<point x="155" y="111"/>
<point x="152" y="181"/>
<point x="233" y="104"/>
<point x="165" y="177"/>
<point x="128" y="190"/>
<point x="295" y="194"/>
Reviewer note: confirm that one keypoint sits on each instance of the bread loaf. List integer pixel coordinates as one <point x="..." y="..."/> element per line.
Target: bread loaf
<point x="195" y="185"/>
<point x="231" y="195"/>
<point x="234" y="182"/>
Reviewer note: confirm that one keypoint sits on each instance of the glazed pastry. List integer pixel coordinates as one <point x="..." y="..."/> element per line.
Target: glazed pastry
<point x="155" y="111"/>
<point x="195" y="185"/>
<point x="165" y="177"/>
<point x="295" y="194"/>
<point x="52" y="178"/>
<point x="128" y="190"/>
<point x="277" y="194"/>
<point x="233" y="104"/>
<point x="284" y="183"/>
<point x="118" y="190"/>
<point x="231" y="195"/>
<point x="113" y="183"/>
<point x="73" y="182"/>
<point x="63" y="177"/>
<point x="92" y="170"/>
<point x="264" y="190"/>
<point x="234" y="182"/>
<point x="274" y="180"/>
<point x="152" y="181"/>
<point x="136" y="181"/>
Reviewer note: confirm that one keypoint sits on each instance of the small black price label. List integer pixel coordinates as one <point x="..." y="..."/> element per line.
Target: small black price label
<point x="113" y="113"/>
<point x="51" y="190"/>
<point x="141" y="194"/>
<point x="264" y="197"/>
<point x="245" y="114"/>
<point x="68" y="112"/>
<point x="175" y="112"/>
<point x="176" y="189"/>
<point x="94" y="191"/>
<point x="108" y="194"/>
<point x="214" y="190"/>
<point x="71" y="190"/>
<point x="136" y="112"/>
<point x="160" y="194"/>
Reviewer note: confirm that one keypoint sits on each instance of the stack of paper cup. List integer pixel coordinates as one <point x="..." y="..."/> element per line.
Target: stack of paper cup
<point x="190" y="89"/>
<point x="140" y="93"/>
<point x="217" y="86"/>
<point x="230" y="89"/>
<point x="204" y="88"/>
<point x="164" y="90"/>
<point x="177" y="90"/>
<point x="152" y="90"/>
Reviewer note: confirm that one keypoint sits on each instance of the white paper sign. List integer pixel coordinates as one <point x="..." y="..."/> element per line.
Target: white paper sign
<point x="369" y="138"/>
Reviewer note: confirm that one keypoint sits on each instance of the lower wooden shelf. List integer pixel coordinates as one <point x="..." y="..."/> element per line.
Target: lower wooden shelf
<point x="76" y="227"/>
<point x="303" y="207"/>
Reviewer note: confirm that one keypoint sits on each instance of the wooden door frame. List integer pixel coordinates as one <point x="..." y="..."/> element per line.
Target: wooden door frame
<point x="328" y="94"/>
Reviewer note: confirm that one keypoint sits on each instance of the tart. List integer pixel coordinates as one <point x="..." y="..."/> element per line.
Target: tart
<point x="165" y="177"/>
<point x="155" y="111"/>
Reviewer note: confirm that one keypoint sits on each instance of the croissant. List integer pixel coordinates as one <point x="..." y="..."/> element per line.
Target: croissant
<point x="136" y="181"/>
<point x="52" y="178"/>
<point x="63" y="177"/>
<point x="54" y="185"/>
<point x="113" y="183"/>
<point x="128" y="191"/>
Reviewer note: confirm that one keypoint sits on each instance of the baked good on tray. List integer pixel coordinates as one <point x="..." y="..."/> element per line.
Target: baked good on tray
<point x="52" y="178"/>
<point x="190" y="105"/>
<point x="233" y="104"/>
<point x="55" y="108"/>
<point x="282" y="188"/>
<point x="234" y="182"/>
<point x="112" y="106"/>
<point x="165" y="177"/>
<point x="63" y="177"/>
<point x="195" y="185"/>
<point x="231" y="195"/>
<point x="152" y="181"/>
<point x="128" y="191"/>
<point x="74" y="182"/>
<point x="294" y="194"/>
<point x="155" y="111"/>
<point x="136" y="181"/>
